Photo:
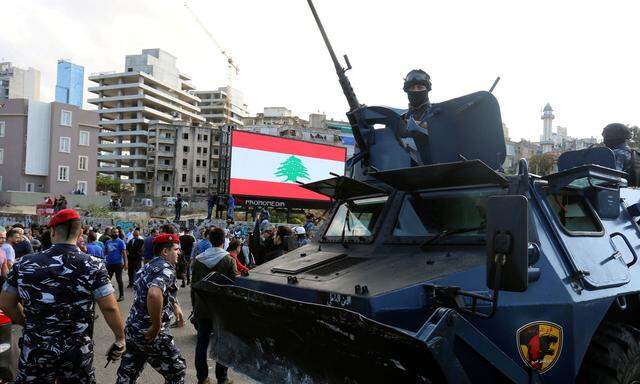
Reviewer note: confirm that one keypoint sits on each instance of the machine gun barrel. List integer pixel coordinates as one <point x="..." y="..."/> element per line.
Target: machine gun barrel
<point x="344" y="81"/>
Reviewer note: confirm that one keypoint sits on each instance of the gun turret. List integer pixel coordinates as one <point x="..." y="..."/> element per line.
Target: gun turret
<point x="349" y="93"/>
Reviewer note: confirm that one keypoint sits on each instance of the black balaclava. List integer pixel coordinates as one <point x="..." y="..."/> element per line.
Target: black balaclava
<point x="417" y="98"/>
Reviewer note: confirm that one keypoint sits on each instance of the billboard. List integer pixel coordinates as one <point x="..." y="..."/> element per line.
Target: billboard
<point x="270" y="167"/>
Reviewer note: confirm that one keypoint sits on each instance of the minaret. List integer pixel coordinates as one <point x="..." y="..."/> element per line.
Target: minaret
<point x="547" y="121"/>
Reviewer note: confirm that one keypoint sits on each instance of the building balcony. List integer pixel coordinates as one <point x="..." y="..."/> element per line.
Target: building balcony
<point x="165" y="154"/>
<point x="122" y="145"/>
<point x="107" y="135"/>
<point x="121" y="169"/>
<point x="117" y="122"/>
<point x="162" y="140"/>
<point x="121" y="157"/>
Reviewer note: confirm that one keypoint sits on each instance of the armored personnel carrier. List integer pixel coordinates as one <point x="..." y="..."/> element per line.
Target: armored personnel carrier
<point x="434" y="266"/>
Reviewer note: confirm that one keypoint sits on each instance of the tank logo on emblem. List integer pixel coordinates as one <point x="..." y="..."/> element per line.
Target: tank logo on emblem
<point x="540" y="344"/>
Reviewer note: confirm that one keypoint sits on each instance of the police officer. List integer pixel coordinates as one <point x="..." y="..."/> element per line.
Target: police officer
<point x="616" y="137"/>
<point x="52" y="294"/>
<point x="417" y="86"/>
<point x="154" y="306"/>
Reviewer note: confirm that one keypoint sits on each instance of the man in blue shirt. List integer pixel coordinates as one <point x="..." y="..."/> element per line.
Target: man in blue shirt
<point x="147" y="248"/>
<point x="93" y="247"/>
<point x="116" y="261"/>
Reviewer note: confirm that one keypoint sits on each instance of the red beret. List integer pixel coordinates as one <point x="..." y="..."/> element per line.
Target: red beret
<point x="166" y="238"/>
<point x="63" y="216"/>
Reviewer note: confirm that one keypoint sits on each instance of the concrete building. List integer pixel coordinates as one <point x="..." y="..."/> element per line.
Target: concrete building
<point x="277" y="117"/>
<point x="224" y="106"/>
<point x="70" y="83"/>
<point x="150" y="90"/>
<point x="18" y="83"/>
<point x="47" y="147"/>
<point x="187" y="159"/>
<point x="279" y="121"/>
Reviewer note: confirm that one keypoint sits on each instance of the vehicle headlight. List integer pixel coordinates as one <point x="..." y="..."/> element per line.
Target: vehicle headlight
<point x="4" y="347"/>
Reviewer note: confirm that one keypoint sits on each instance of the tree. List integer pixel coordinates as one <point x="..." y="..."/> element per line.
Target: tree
<point x="107" y="184"/>
<point x="542" y="164"/>
<point x="292" y="169"/>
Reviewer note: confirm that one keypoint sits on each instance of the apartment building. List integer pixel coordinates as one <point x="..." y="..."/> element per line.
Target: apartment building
<point x="189" y="159"/>
<point x="150" y="90"/>
<point x="18" y="83"/>
<point x="47" y="147"/>
<point x="224" y="106"/>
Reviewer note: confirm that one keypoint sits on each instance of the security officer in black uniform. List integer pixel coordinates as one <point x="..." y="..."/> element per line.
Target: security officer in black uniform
<point x="154" y="307"/>
<point x="52" y="294"/>
<point x="616" y="137"/>
<point x="417" y="86"/>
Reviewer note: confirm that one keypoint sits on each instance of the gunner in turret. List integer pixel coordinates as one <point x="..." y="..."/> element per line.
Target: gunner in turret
<point x="417" y="85"/>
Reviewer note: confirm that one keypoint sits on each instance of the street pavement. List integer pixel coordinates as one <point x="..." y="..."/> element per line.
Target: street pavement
<point x="185" y="337"/>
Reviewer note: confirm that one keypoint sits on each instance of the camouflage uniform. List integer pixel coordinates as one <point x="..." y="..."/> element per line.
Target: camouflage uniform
<point x="57" y="289"/>
<point x="163" y="354"/>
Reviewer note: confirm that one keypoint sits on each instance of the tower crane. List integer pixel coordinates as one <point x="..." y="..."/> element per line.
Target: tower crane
<point x="232" y="67"/>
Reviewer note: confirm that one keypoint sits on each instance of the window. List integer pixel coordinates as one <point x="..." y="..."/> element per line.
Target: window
<point x="184" y="177"/>
<point x="65" y="118"/>
<point x="166" y="162"/>
<point x="215" y="151"/>
<point x="167" y="148"/>
<point x="163" y="189"/>
<point x="197" y="179"/>
<point x="1" y="155"/>
<point x="204" y="150"/>
<point x="199" y="150"/>
<point x="84" y="138"/>
<point x="216" y="138"/>
<point x="29" y="187"/>
<point x="63" y="173"/>
<point x="204" y="163"/>
<point x="205" y="137"/>
<point x="82" y="187"/>
<point x="2" y="128"/>
<point x="199" y="137"/>
<point x="357" y="218"/>
<point x="184" y="162"/>
<point x="65" y="144"/>
<point x="168" y="189"/>
<point x="215" y="164"/>
<point x="185" y="149"/>
<point x="463" y="213"/>
<point x="574" y="213"/>
<point x="204" y="180"/>
<point x="166" y="177"/>
<point x="185" y="136"/>
<point x="197" y="163"/>
<point x="83" y="163"/>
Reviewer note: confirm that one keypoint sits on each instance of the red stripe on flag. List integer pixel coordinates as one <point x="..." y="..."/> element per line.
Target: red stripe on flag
<point x="272" y="189"/>
<point x="288" y="146"/>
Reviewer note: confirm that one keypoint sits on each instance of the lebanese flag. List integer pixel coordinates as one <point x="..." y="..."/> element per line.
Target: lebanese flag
<point x="268" y="166"/>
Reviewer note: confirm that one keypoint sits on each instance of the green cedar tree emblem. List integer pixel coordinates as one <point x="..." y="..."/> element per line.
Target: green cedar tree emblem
<point x="292" y="169"/>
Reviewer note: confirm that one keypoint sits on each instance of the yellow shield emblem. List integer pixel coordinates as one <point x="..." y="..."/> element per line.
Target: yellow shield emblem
<point x="540" y="344"/>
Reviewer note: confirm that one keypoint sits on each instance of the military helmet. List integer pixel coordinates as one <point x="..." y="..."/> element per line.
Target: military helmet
<point x="417" y="76"/>
<point x="616" y="131"/>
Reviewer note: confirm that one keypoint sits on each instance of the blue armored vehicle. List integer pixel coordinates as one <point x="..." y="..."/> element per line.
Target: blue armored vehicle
<point x="435" y="266"/>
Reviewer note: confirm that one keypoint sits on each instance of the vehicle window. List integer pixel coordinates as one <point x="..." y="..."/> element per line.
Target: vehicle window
<point x="357" y="218"/>
<point x="428" y="216"/>
<point x="573" y="212"/>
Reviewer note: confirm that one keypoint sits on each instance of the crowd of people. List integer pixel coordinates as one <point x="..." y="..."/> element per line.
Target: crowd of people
<point x="53" y="275"/>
